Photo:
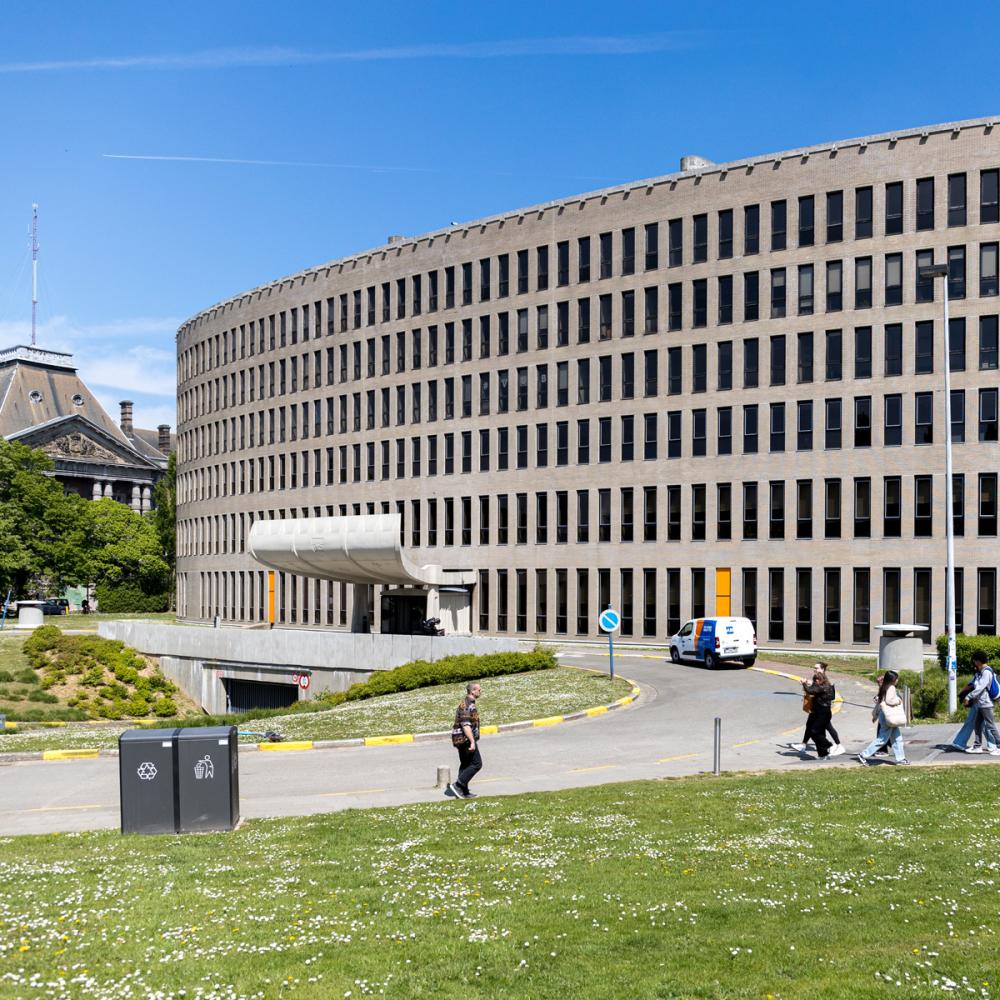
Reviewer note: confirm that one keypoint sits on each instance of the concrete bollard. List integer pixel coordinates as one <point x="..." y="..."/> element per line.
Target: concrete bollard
<point x="443" y="777"/>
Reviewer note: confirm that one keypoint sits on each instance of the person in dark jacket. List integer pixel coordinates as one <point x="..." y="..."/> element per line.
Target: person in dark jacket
<point x="837" y="749"/>
<point x="820" y="690"/>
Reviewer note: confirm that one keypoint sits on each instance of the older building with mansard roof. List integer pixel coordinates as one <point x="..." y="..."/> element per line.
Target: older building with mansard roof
<point x="45" y="404"/>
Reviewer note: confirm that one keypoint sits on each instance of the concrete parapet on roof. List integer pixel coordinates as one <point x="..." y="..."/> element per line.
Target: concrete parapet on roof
<point x="364" y="549"/>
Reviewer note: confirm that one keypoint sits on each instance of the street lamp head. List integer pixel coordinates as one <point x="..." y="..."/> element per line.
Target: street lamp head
<point x="934" y="271"/>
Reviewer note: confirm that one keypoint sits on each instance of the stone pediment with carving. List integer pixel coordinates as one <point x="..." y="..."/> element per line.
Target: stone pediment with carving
<point x="78" y="446"/>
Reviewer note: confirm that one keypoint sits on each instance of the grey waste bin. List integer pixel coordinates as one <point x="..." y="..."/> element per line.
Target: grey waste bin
<point x="147" y="786"/>
<point x="208" y="779"/>
<point x="179" y="780"/>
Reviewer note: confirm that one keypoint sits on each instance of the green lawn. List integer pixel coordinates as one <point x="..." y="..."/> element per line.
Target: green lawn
<point x="20" y="690"/>
<point x="863" y="666"/>
<point x="848" y="884"/>
<point x="510" y="698"/>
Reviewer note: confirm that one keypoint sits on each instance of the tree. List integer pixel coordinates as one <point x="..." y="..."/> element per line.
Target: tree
<point x="123" y="547"/>
<point x="42" y="531"/>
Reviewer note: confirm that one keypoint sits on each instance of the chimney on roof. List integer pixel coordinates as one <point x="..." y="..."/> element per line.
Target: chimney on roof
<point x="126" y="421"/>
<point x="695" y="163"/>
<point x="163" y="440"/>
<point x="395" y="238"/>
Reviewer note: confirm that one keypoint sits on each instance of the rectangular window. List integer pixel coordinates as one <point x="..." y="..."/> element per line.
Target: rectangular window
<point x="628" y="314"/>
<point x="751" y="230"/>
<point x="777" y="427"/>
<point x="724" y="511"/>
<point x="652" y="231"/>
<point x="923" y="422"/>
<point x="893" y="279"/>
<point x="725" y="365"/>
<point x="674" y="434"/>
<point x="749" y="511"/>
<point x="862" y="606"/>
<point x="834" y="286"/>
<point x="893" y="349"/>
<point x="924" y="287"/>
<point x="923" y="518"/>
<point x="649" y="513"/>
<point x="724" y="416"/>
<point x="627" y="602"/>
<point x="604" y="515"/>
<point x="989" y="196"/>
<point x="988" y="356"/>
<point x="651" y="310"/>
<point x="862" y="213"/>
<point x="924" y="347"/>
<point x="649" y="602"/>
<point x="778" y="293"/>
<point x="807" y="220"/>
<point x="834" y="424"/>
<point x="699" y="293"/>
<point x="988" y="284"/>
<point x="674" y="598"/>
<point x="803" y="605"/>
<point x="803" y="509"/>
<point x="834" y="355"/>
<point x="922" y="601"/>
<point x="750" y="429"/>
<point x="776" y="510"/>
<point x="562" y="263"/>
<point x="892" y="506"/>
<point x="862" y="283"/>
<point x="628" y="437"/>
<point x="987" y="414"/>
<point x="834" y="216"/>
<point x="956" y="200"/>
<point x="958" y="415"/>
<point x="986" y="602"/>
<point x="751" y="296"/>
<point x="725" y="296"/>
<point x="862" y="352"/>
<point x="503" y="278"/>
<point x="562" y="601"/>
<point x="582" y="601"/>
<point x="832" y="508"/>
<point x="894" y="210"/>
<point x="583" y="258"/>
<point x="699" y="366"/>
<point x="956" y="272"/>
<point x="778" y="360"/>
<point x="673" y="513"/>
<point x="541" y="518"/>
<point x="542" y="263"/>
<point x="725" y="234"/>
<point x="893" y="426"/>
<point x="604" y="245"/>
<point x="805" y="357"/>
<point x="805" y="289"/>
<point x="700" y="239"/>
<point x="562" y="517"/>
<point x="628" y="251"/>
<point x="583" y="515"/>
<point x="699" y="427"/>
<point x="522" y="272"/>
<point x="831" y="605"/>
<point x="776" y="605"/>
<point x="751" y="363"/>
<point x="627" y="517"/>
<point x="862" y="421"/>
<point x="987" y="520"/>
<point x="750" y="597"/>
<point x="779" y="225"/>
<point x="649" y="436"/>
<point x="675" y="242"/>
<point x="892" y="595"/>
<point x="925" y="203"/>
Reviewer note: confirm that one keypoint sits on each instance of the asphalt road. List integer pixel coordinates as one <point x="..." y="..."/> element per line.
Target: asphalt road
<point x="668" y="732"/>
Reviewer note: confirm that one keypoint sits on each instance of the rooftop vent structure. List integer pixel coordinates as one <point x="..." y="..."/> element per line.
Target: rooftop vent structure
<point x="695" y="163"/>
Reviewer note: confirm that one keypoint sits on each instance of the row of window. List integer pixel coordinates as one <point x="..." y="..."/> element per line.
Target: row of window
<point x="632" y="514"/>
<point x="625" y="321"/>
<point x="503" y="598"/>
<point x="359" y="462"/>
<point x="361" y="305"/>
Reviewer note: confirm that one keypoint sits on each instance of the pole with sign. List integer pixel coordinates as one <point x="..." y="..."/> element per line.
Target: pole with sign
<point x="609" y="621"/>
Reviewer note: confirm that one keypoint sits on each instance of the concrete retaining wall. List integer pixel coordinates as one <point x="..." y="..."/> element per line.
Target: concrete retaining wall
<point x="198" y="659"/>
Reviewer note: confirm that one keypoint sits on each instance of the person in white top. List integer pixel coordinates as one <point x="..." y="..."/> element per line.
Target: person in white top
<point x="890" y="715"/>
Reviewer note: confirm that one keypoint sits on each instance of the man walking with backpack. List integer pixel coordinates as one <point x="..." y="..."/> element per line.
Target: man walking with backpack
<point x="465" y="738"/>
<point x="985" y="691"/>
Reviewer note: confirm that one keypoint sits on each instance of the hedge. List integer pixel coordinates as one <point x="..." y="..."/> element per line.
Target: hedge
<point x="966" y="645"/>
<point x="408" y="677"/>
<point x="129" y="597"/>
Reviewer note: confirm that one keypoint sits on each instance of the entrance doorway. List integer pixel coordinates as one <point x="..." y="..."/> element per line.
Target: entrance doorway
<point x="402" y="612"/>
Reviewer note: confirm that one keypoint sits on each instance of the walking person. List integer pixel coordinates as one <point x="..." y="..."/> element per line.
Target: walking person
<point x="837" y="749"/>
<point x="890" y="716"/>
<point x="819" y="692"/>
<point x="465" y="738"/>
<point x="981" y="695"/>
<point x="973" y="725"/>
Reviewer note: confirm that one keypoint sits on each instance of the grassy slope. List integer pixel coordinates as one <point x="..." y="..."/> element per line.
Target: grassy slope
<point x="819" y="884"/>
<point x="505" y="699"/>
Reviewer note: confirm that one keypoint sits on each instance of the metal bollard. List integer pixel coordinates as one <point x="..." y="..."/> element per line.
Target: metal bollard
<point x="443" y="777"/>
<point x="717" y="748"/>
<point x="908" y="704"/>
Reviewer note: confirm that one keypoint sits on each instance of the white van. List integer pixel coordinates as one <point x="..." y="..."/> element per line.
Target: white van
<point x="713" y="640"/>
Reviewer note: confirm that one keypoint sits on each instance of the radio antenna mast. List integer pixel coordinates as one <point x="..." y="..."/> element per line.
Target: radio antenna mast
<point x="34" y="271"/>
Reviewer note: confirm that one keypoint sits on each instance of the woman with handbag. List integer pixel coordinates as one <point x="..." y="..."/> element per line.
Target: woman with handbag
<point x="817" y="700"/>
<point x="890" y="715"/>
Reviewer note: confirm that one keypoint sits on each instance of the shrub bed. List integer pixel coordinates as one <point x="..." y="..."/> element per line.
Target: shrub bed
<point x="101" y="678"/>
<point x="125" y="597"/>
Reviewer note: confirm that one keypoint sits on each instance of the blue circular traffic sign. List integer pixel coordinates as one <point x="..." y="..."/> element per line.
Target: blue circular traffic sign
<point x="609" y="620"/>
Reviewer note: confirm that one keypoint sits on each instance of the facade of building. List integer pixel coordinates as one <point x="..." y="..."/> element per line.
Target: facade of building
<point x="716" y="390"/>
<point x="45" y="404"/>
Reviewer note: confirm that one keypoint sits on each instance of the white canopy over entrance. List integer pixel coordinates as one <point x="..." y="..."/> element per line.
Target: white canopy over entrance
<point x="361" y="549"/>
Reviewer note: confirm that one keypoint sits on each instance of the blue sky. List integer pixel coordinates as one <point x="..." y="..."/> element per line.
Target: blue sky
<point x="377" y="118"/>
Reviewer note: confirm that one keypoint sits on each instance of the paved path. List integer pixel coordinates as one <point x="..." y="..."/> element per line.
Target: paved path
<point x="667" y="733"/>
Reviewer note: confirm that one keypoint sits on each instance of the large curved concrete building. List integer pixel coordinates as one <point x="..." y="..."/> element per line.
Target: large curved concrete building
<point x="720" y="389"/>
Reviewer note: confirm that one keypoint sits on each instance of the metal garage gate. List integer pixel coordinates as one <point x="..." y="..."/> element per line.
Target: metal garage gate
<point x="243" y="695"/>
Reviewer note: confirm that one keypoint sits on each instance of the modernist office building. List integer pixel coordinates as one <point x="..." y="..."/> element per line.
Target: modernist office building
<point x="717" y="389"/>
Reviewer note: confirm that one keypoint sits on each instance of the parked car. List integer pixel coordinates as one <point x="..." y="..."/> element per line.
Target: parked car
<point x="714" y="640"/>
<point x="55" y="606"/>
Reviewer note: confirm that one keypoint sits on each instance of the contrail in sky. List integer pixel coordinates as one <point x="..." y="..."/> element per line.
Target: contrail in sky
<point x="599" y="45"/>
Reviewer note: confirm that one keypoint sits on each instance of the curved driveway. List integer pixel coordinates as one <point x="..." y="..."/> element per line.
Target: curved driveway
<point x="666" y="733"/>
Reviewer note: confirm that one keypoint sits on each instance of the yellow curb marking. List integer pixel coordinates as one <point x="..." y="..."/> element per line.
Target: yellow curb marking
<point x="489" y="730"/>
<point x="681" y="756"/>
<point x="600" y="710"/>
<point x="598" y="767"/>
<point x="356" y="791"/>
<point x="292" y="745"/>
<point x="381" y="741"/>
<point x="45" y="809"/>
<point x="627" y="700"/>
<point x="68" y="754"/>
<point x="552" y="720"/>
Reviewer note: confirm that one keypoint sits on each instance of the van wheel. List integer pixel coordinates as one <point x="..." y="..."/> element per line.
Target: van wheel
<point x="749" y="661"/>
<point x="675" y="656"/>
<point x="710" y="661"/>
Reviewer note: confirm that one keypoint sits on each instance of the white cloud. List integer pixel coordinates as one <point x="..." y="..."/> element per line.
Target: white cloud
<point x="582" y="45"/>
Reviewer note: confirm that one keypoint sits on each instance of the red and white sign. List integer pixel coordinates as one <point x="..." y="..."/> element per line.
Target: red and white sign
<point x="304" y="682"/>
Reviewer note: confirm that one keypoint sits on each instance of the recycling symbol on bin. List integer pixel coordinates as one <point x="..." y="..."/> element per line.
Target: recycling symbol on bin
<point x="204" y="768"/>
<point x="146" y="770"/>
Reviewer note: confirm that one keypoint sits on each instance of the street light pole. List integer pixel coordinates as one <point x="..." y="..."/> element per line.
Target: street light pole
<point x="931" y="272"/>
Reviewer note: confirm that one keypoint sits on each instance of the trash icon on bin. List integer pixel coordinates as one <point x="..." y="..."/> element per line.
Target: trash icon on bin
<point x="204" y="768"/>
